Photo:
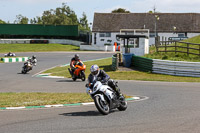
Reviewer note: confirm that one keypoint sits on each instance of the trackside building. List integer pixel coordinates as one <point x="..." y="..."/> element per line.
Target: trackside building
<point x="166" y="26"/>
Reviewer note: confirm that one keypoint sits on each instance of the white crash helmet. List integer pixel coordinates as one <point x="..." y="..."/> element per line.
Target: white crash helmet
<point x="94" y="70"/>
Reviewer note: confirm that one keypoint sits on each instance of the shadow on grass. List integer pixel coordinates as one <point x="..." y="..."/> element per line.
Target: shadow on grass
<point x="75" y="49"/>
<point x="108" y="68"/>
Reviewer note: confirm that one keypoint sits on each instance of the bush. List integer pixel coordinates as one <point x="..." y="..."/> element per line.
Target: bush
<point x="164" y="57"/>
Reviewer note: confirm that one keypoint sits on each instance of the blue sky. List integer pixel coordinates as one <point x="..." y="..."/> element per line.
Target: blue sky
<point x="32" y="8"/>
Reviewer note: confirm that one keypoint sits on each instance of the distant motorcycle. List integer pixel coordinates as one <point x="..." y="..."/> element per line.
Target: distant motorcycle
<point x="28" y="65"/>
<point x="79" y="72"/>
<point x="9" y="54"/>
<point x="105" y="98"/>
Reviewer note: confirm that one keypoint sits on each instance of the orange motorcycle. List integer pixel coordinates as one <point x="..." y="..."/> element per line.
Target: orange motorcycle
<point x="79" y="72"/>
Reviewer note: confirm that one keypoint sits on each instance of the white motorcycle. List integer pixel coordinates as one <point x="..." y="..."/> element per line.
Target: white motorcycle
<point x="9" y="54"/>
<point x="105" y="98"/>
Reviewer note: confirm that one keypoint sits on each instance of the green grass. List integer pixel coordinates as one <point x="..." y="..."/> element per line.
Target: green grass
<point x="5" y="48"/>
<point x="106" y="64"/>
<point x="63" y="71"/>
<point x="39" y="99"/>
<point x="179" y="56"/>
<point x="145" y="76"/>
<point x="172" y="56"/>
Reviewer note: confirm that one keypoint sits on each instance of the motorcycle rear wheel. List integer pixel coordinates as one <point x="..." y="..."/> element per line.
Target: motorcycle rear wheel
<point x="74" y="79"/>
<point x="102" y="107"/>
<point x="82" y="76"/>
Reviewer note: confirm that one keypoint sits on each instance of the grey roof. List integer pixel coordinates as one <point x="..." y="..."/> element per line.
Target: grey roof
<point x="113" y="22"/>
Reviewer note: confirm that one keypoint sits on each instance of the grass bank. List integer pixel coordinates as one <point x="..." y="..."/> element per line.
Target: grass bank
<point x="178" y="56"/>
<point x="39" y="99"/>
<point x="5" y="48"/>
<point x="106" y="64"/>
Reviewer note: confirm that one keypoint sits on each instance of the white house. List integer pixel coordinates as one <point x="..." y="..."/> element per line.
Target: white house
<point x="168" y="26"/>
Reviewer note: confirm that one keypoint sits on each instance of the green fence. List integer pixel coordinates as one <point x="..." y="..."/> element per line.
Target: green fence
<point x="36" y="29"/>
<point x="142" y="64"/>
<point x="139" y="63"/>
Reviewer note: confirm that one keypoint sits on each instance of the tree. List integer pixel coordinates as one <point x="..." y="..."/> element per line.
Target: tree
<point x="60" y="16"/>
<point x="63" y="15"/>
<point x="21" y="19"/>
<point x="2" y="22"/>
<point x="150" y="11"/>
<point x="120" y="10"/>
<point x="83" y="23"/>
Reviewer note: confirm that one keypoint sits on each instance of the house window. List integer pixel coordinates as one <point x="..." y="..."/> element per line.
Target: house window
<point x="105" y="34"/>
<point x="134" y="42"/>
<point x="181" y="35"/>
<point x="152" y="34"/>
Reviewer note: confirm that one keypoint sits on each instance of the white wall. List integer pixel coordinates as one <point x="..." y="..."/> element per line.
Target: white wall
<point x="101" y="43"/>
<point x="143" y="48"/>
<point x="51" y="41"/>
<point x="192" y="34"/>
<point x="97" y="48"/>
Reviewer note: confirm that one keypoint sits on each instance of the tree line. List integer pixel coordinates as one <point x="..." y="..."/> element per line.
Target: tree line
<point x="63" y="15"/>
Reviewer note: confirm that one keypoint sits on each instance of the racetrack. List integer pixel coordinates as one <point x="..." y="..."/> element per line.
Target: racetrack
<point x="170" y="107"/>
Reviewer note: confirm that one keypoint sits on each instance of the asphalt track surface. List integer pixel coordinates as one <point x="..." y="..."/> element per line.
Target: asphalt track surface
<point x="170" y="107"/>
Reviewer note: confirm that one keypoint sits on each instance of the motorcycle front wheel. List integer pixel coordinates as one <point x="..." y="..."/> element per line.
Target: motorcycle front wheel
<point x="123" y="105"/>
<point x="24" y="71"/>
<point x="103" y="107"/>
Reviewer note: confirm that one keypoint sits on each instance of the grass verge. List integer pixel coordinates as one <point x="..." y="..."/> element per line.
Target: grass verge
<point x="106" y="64"/>
<point x="39" y="99"/>
<point x="171" y="56"/>
<point x="178" y="56"/>
<point x="5" y="48"/>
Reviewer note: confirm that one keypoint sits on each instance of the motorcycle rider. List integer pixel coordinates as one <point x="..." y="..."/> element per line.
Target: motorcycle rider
<point x="33" y="60"/>
<point x="73" y="62"/>
<point x="103" y="78"/>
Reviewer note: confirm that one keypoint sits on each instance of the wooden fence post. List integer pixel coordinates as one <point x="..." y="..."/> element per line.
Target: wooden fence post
<point x="156" y="44"/>
<point x="175" y="47"/>
<point x="199" y="50"/>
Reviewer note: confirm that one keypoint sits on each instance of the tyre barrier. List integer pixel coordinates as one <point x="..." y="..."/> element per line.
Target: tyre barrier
<point x="14" y="59"/>
<point x="175" y="68"/>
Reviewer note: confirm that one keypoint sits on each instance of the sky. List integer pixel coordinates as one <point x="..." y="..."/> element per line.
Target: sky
<point x="31" y="8"/>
